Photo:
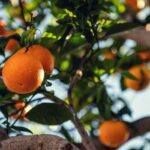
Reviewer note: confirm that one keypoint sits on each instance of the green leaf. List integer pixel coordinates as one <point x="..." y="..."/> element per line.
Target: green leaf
<point x="124" y="110"/>
<point x="50" y="35"/>
<point x="89" y="117"/>
<point x="129" y="75"/>
<point x="18" y="128"/>
<point x="63" y="4"/>
<point x="121" y="27"/>
<point x="28" y="36"/>
<point x="104" y="102"/>
<point x="108" y="65"/>
<point x="125" y="59"/>
<point x="49" y="114"/>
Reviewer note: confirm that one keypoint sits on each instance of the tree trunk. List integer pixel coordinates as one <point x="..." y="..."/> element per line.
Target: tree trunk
<point x="36" y="142"/>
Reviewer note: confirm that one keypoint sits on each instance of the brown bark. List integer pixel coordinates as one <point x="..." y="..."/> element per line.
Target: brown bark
<point x="141" y="126"/>
<point x="36" y="142"/>
<point x="51" y="142"/>
<point x="140" y="35"/>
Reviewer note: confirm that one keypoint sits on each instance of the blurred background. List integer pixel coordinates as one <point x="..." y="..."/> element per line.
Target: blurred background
<point x="46" y="16"/>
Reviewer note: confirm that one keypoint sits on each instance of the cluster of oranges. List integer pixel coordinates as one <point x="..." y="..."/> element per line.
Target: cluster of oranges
<point x="113" y="133"/>
<point x="24" y="71"/>
<point x="12" y="43"/>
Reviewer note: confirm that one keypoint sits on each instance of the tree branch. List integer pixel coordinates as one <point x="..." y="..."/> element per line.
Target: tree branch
<point x="141" y="126"/>
<point x="140" y="35"/>
<point x="85" y="137"/>
<point x="37" y="142"/>
<point x="87" y="142"/>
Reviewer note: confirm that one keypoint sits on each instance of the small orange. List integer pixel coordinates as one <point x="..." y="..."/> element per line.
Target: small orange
<point x="12" y="43"/>
<point x="144" y="55"/>
<point x="142" y="78"/>
<point x="42" y="54"/>
<point x="133" y="4"/>
<point x="113" y="133"/>
<point x="19" y="105"/>
<point x="22" y="117"/>
<point x="2" y="27"/>
<point x="2" y="23"/>
<point x="22" y="73"/>
<point x="109" y="55"/>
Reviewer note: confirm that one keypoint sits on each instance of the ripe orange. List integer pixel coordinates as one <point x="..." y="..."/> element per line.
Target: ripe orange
<point x="42" y="54"/>
<point x="146" y="70"/>
<point x="12" y="43"/>
<point x="109" y="55"/>
<point x="133" y="4"/>
<point x="113" y="133"/>
<point x="2" y="23"/>
<point x="144" y="55"/>
<point x="22" y="73"/>
<point x="19" y="105"/>
<point x="2" y="27"/>
<point x="141" y="73"/>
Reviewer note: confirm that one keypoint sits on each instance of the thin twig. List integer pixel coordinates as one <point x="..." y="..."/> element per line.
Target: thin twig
<point x="22" y="13"/>
<point x="22" y="109"/>
<point x="94" y="32"/>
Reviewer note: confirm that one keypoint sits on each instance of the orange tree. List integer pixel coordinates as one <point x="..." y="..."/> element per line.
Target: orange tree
<point x="80" y="44"/>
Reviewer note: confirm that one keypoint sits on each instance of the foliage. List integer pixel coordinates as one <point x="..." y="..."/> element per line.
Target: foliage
<point x="73" y="31"/>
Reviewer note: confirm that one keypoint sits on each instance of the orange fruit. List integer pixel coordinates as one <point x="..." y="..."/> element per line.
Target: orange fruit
<point x="2" y="27"/>
<point x="42" y="54"/>
<point x="22" y="73"/>
<point x="141" y="73"/>
<point x="113" y="133"/>
<point x="2" y="23"/>
<point x="22" y="117"/>
<point x="19" y="105"/>
<point x="144" y="55"/>
<point x="146" y="70"/>
<point x="133" y="4"/>
<point x="12" y="43"/>
<point x="109" y="55"/>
